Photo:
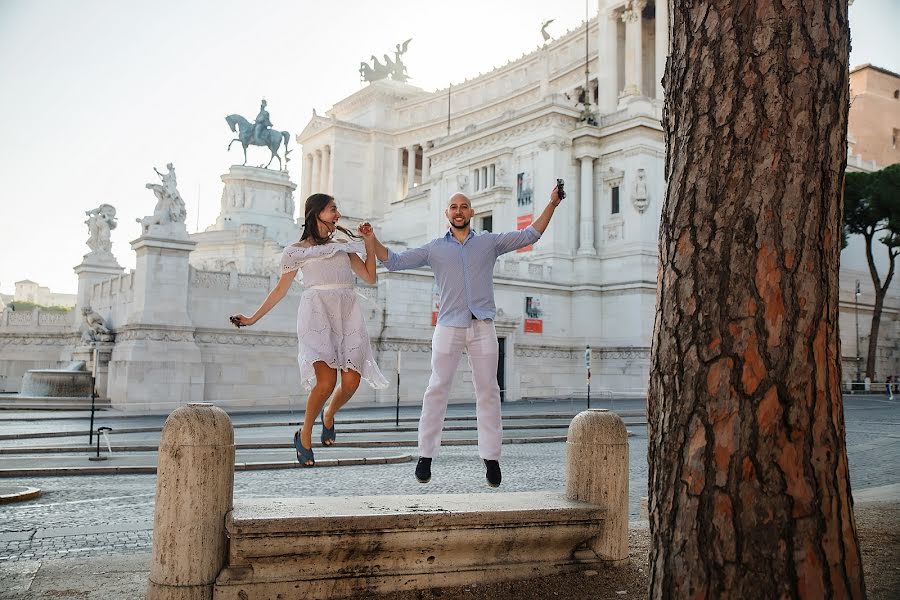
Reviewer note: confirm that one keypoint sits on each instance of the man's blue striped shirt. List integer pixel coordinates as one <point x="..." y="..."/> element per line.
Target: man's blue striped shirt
<point x="464" y="273"/>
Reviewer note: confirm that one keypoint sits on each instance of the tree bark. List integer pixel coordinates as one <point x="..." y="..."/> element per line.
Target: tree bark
<point x="749" y="488"/>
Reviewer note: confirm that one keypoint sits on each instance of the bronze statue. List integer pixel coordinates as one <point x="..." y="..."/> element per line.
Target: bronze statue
<point x="259" y="133"/>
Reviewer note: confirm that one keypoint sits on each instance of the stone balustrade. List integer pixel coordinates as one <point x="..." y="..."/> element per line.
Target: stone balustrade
<point x="37" y="320"/>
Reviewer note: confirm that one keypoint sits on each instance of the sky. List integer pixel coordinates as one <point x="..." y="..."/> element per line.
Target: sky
<point x="96" y="93"/>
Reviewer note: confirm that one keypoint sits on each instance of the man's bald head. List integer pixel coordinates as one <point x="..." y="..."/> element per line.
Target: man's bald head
<point x="459" y="211"/>
<point x="459" y="197"/>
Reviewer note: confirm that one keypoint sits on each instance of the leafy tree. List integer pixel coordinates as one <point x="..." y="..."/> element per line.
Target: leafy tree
<point x="24" y="305"/>
<point x="872" y="210"/>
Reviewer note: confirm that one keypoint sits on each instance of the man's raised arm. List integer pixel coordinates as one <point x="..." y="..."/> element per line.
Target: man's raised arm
<point x="513" y="240"/>
<point x="542" y="221"/>
<point x="409" y="259"/>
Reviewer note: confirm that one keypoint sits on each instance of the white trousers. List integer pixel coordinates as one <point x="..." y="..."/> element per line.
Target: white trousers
<point x="479" y="340"/>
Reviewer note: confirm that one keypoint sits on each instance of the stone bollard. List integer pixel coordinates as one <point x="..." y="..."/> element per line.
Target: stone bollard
<point x="194" y="485"/>
<point x="597" y="473"/>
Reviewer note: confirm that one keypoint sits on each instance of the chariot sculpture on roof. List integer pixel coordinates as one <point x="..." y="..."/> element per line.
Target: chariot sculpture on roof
<point x="393" y="68"/>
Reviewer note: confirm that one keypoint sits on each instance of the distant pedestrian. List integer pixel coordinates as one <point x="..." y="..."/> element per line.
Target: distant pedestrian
<point x="889" y="384"/>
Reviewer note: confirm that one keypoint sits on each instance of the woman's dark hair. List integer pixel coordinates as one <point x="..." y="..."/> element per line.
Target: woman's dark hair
<point x="314" y="205"/>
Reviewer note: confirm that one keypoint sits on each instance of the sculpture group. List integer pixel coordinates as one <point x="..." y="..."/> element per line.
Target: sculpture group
<point x="100" y="221"/>
<point x="170" y="207"/>
<point x="395" y="69"/>
<point x="94" y="328"/>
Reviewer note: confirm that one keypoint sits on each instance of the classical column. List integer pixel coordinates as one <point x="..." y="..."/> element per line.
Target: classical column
<point x="315" y="180"/>
<point x="410" y="167"/>
<point x="586" y="241"/>
<point x="426" y="165"/>
<point x="326" y="170"/>
<point x="662" y="43"/>
<point x="609" y="63"/>
<point x="633" y="47"/>
<point x="305" y="177"/>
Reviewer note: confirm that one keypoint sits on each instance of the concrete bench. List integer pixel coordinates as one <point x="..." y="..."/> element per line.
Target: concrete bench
<point x="205" y="546"/>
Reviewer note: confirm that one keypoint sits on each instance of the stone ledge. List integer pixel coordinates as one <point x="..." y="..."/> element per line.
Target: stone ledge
<point x="325" y="514"/>
<point x="326" y="547"/>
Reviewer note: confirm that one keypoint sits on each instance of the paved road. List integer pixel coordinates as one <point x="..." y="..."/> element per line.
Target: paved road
<point x="96" y="515"/>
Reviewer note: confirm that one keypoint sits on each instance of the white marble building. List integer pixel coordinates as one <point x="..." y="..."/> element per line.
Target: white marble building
<point x="388" y="155"/>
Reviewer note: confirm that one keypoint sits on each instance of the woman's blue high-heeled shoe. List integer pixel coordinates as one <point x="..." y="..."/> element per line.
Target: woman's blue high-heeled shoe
<point x="328" y="434"/>
<point x="304" y="455"/>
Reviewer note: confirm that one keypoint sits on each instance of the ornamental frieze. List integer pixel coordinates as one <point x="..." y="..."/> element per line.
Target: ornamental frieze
<point x="63" y="339"/>
<point x="404" y="346"/>
<point x="246" y="339"/>
<point x="155" y="335"/>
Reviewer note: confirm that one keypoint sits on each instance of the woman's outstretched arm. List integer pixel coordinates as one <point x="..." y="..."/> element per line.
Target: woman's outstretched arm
<point x="274" y="297"/>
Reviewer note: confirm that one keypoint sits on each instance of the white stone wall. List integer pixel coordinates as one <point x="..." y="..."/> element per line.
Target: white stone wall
<point x="33" y="339"/>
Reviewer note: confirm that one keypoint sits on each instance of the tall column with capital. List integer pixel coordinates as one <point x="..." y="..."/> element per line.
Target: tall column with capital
<point x="326" y="170"/>
<point x="586" y="241"/>
<point x="305" y="177"/>
<point x="426" y="165"/>
<point x="662" y="43"/>
<point x="633" y="47"/>
<point x="315" y="180"/>
<point x="410" y="167"/>
<point x="608" y="79"/>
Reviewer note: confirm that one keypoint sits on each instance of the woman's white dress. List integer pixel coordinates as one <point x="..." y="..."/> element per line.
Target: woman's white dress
<point x="330" y="324"/>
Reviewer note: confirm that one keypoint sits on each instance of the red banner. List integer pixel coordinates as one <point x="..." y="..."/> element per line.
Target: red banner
<point x="534" y="326"/>
<point x="523" y="221"/>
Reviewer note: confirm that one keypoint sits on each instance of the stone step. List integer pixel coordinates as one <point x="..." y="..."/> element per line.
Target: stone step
<point x="56" y="403"/>
<point x="327" y="547"/>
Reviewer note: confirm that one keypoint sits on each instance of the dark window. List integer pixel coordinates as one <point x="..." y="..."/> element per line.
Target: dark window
<point x="487" y="223"/>
<point x="615" y="200"/>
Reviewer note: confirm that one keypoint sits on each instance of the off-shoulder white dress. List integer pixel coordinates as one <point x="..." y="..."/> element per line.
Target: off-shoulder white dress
<point x="330" y="324"/>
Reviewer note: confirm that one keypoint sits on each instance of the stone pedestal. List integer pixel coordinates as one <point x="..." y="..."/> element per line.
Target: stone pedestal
<point x="254" y="196"/>
<point x="194" y="485"/>
<point x="156" y="365"/>
<point x="255" y="222"/>
<point x="597" y="473"/>
<point x="95" y="267"/>
<point x="104" y="353"/>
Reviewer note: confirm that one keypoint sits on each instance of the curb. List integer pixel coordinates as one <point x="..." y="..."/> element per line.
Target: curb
<point x="18" y="493"/>
<point x="244" y="466"/>
<point x="28" y="450"/>
<point x="275" y="446"/>
<point x="294" y="423"/>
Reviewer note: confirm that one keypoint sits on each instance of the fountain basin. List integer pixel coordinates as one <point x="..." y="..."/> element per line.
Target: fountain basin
<point x="60" y="383"/>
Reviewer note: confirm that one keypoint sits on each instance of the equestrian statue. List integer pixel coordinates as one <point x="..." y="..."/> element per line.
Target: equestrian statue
<point x="259" y="133"/>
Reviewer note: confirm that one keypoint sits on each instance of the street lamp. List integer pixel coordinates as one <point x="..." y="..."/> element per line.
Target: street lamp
<point x="856" y="302"/>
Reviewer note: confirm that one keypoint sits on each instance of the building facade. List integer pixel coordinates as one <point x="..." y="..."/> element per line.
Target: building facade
<point x="390" y="154"/>
<point x="874" y="122"/>
<point x="584" y="294"/>
<point x="30" y="291"/>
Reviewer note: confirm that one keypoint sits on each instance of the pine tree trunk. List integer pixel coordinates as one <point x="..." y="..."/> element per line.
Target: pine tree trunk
<point x="749" y="488"/>
<point x="872" y="352"/>
<point x="880" y="292"/>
